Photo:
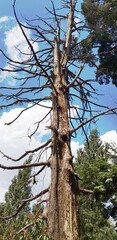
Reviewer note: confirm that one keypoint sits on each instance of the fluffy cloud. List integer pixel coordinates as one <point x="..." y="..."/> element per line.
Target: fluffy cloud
<point x="74" y="147"/>
<point x="17" y="133"/>
<point x="17" y="48"/>
<point x="6" y="22"/>
<point x="16" y="43"/>
<point x="15" y="140"/>
<point x="110" y="137"/>
<point x="8" y="75"/>
<point x="4" y="19"/>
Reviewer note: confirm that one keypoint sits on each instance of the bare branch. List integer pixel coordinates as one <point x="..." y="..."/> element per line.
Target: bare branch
<point x="15" y="214"/>
<point x="24" y="110"/>
<point x="37" y="173"/>
<point x="24" y="203"/>
<point x="85" y="191"/>
<point x="30" y="224"/>
<point x="27" y="152"/>
<point x="24" y="228"/>
<point x="30" y="45"/>
<point x="77" y="76"/>
<point x="44" y="164"/>
<point x="93" y="117"/>
<point x="23" y="100"/>
<point x="39" y="124"/>
<point x="66" y="49"/>
<point x="36" y="196"/>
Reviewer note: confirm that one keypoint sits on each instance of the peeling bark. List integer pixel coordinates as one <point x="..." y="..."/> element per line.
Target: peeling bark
<point x="62" y="212"/>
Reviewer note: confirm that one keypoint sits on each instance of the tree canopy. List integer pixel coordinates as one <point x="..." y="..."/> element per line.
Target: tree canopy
<point x="26" y="224"/>
<point x="19" y="190"/>
<point x="96" y="164"/>
<point x="101" y="21"/>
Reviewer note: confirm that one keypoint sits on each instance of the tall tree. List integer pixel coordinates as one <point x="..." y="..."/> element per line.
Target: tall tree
<point x="19" y="190"/>
<point x="101" y="20"/>
<point x="55" y="68"/>
<point x="96" y="164"/>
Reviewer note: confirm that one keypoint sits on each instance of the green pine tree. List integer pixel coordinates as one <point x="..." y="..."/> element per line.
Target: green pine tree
<point x="96" y="164"/>
<point x="28" y="218"/>
<point x="19" y="190"/>
<point x="101" y="20"/>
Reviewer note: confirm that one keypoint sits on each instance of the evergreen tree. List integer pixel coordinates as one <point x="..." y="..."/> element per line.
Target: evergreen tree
<point x="96" y="164"/>
<point x="19" y="190"/>
<point x="101" y="20"/>
<point x="26" y="225"/>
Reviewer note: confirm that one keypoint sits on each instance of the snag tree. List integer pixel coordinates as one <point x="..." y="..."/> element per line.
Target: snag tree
<point x="56" y="71"/>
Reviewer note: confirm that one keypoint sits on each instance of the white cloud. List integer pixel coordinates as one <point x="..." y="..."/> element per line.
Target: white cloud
<point x="109" y="137"/>
<point x="2" y="192"/>
<point x="17" y="49"/>
<point x="14" y="139"/>
<point x="4" y="19"/>
<point x="16" y="43"/>
<point x="16" y="134"/>
<point x="74" y="147"/>
<point x="10" y="75"/>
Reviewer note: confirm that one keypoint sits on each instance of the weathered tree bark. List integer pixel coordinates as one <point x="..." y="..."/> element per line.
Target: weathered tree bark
<point x="62" y="212"/>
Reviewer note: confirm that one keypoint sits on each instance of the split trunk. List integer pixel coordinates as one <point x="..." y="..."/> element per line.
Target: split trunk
<point x="62" y="209"/>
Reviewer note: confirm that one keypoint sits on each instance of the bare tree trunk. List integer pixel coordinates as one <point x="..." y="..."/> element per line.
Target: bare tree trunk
<point x="62" y="212"/>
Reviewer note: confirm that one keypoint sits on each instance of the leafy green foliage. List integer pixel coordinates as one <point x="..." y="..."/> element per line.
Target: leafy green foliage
<point x="19" y="190"/>
<point x="101" y="19"/>
<point x="96" y="164"/>
<point x="26" y="225"/>
<point x="36" y="232"/>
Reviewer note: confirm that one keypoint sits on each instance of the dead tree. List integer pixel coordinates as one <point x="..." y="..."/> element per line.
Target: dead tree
<point x="55" y="67"/>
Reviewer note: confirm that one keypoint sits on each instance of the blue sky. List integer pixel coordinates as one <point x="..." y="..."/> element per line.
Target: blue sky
<point x="14" y="139"/>
<point x="30" y="9"/>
